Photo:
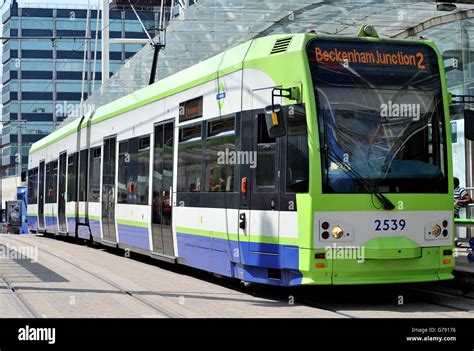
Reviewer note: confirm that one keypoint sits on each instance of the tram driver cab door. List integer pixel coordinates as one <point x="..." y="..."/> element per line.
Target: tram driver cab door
<point x="259" y="212"/>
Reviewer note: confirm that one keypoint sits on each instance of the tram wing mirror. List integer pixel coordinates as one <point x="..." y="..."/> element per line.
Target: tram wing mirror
<point x="469" y="124"/>
<point x="275" y="121"/>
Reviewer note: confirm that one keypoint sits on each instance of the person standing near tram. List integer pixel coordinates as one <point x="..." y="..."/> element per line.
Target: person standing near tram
<point x="461" y="197"/>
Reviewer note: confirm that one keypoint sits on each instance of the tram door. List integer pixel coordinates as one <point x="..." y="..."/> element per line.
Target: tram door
<point x="41" y="184"/>
<point x="62" y="193"/>
<point x="108" y="190"/>
<point x="162" y="189"/>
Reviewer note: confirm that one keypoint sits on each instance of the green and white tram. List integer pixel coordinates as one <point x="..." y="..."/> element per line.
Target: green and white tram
<point x="290" y="159"/>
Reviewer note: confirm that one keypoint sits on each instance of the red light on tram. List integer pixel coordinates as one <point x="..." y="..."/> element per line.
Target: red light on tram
<point x="447" y="261"/>
<point x="243" y="185"/>
<point x="320" y="265"/>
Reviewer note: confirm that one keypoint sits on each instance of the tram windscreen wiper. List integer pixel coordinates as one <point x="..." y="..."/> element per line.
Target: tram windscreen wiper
<point x="386" y="203"/>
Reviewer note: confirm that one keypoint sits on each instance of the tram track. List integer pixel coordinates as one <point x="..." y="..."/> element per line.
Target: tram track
<point x="445" y="299"/>
<point x="303" y="301"/>
<point x="299" y="297"/>
<point x="450" y="299"/>
<point x="310" y="303"/>
<point x="17" y="298"/>
<point x="429" y="294"/>
<point x="154" y="306"/>
<point x="451" y="302"/>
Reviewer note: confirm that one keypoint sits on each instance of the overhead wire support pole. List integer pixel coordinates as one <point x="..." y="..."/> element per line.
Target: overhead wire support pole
<point x="89" y="41"/>
<point x="156" y="46"/>
<point x="19" y="124"/>
<point x="85" y="53"/>
<point x="95" y="46"/>
<point x="154" y="65"/>
<point x="105" y="41"/>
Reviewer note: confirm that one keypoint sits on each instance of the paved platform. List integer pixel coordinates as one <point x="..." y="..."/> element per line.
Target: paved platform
<point x="46" y="278"/>
<point x="70" y="280"/>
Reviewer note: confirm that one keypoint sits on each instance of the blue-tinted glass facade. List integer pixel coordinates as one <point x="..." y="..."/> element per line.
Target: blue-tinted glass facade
<point x="42" y="81"/>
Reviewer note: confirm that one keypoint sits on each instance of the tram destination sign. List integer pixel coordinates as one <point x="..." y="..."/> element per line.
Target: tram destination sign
<point x="406" y="56"/>
<point x="371" y="57"/>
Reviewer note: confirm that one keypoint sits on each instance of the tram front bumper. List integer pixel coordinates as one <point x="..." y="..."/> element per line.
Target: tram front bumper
<point x="432" y="264"/>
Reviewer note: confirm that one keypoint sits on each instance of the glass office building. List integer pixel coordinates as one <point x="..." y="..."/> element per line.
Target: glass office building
<point x="43" y="79"/>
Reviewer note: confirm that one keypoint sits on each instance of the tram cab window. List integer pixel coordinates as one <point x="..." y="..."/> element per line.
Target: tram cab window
<point x="220" y="144"/>
<point x="297" y="175"/>
<point x="189" y="159"/>
<point x="266" y="153"/>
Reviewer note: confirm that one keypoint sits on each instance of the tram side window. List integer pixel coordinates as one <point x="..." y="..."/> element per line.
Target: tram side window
<point x="51" y="181"/>
<point x="189" y="159"/>
<point x="48" y="182"/>
<point x="143" y="165"/>
<point x="297" y="175"/>
<point x="134" y="171"/>
<point x="94" y="175"/>
<point x="220" y="142"/>
<point x="33" y="186"/>
<point x="71" y="178"/>
<point x="83" y="165"/>
<point x="123" y="162"/>
<point x="266" y="151"/>
<point x="55" y="181"/>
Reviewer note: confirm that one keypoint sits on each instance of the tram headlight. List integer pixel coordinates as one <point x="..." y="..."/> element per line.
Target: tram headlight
<point x="436" y="230"/>
<point x="368" y="30"/>
<point x="337" y="232"/>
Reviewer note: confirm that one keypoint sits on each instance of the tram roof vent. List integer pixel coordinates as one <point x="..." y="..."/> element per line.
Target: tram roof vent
<point x="281" y="45"/>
